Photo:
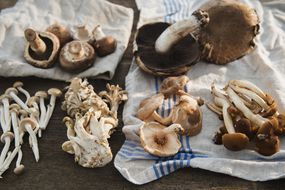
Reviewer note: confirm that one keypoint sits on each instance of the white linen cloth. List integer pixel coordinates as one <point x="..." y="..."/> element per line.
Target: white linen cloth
<point x="265" y="67"/>
<point x="39" y="14"/>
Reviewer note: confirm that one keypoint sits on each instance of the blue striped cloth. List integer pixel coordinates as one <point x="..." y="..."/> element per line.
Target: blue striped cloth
<point x="139" y="167"/>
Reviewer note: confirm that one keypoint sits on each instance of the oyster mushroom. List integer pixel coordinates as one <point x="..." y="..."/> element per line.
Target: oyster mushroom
<point x="104" y="45"/>
<point x="42" y="48"/>
<point x="172" y="85"/>
<point x="188" y="114"/>
<point x="160" y="140"/>
<point x="77" y="56"/>
<point x="61" y="32"/>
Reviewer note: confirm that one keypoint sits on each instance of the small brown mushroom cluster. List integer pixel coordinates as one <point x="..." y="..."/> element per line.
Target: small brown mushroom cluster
<point x="250" y="117"/>
<point x="76" y="49"/>
<point x="185" y="118"/>
<point x="25" y="117"/>
<point x="91" y="120"/>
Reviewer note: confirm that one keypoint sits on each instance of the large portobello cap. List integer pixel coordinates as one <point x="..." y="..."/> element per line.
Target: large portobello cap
<point x="220" y="32"/>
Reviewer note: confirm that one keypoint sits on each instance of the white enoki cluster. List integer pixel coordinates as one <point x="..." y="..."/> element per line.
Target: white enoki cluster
<point x="92" y="119"/>
<point x="248" y="111"/>
<point x="30" y="116"/>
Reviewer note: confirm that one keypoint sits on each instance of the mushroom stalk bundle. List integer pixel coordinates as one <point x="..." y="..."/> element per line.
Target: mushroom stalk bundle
<point x="250" y="114"/>
<point x="92" y="119"/>
<point x="186" y="113"/>
<point x="25" y="117"/>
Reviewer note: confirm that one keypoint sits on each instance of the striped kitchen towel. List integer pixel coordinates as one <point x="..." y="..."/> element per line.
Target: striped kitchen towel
<point x="265" y="67"/>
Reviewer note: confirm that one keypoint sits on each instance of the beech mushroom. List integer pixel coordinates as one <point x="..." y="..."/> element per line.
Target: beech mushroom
<point x="61" y="32"/>
<point x="104" y="45"/>
<point x="19" y="86"/>
<point x="42" y="48"/>
<point x="77" y="56"/>
<point x="28" y="124"/>
<point x="12" y="92"/>
<point x="232" y="140"/>
<point x="159" y="140"/>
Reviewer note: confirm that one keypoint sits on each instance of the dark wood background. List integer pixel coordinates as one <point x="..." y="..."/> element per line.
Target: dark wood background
<point x="57" y="170"/>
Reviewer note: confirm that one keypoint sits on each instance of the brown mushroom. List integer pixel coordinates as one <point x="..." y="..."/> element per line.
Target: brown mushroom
<point x="159" y="140"/>
<point x="152" y="52"/>
<point x="42" y="48"/>
<point x="77" y="56"/>
<point x="104" y="45"/>
<point x="172" y="85"/>
<point x="61" y="32"/>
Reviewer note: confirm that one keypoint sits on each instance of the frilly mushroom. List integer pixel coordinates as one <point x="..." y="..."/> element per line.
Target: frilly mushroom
<point x="172" y="85"/>
<point x="95" y="118"/>
<point x="42" y="48"/>
<point x="61" y="32"/>
<point x="91" y="148"/>
<point x="160" y="140"/>
<point x="77" y="56"/>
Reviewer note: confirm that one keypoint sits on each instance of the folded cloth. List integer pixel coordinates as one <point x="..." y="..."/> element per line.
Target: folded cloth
<point x="39" y="14"/>
<point x="265" y="67"/>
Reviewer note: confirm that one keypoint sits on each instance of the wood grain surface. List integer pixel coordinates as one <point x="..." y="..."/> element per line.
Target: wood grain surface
<point x="57" y="170"/>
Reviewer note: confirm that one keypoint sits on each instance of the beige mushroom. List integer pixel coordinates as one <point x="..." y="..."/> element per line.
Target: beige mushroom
<point x="77" y="56"/>
<point x="160" y="140"/>
<point x="172" y="85"/>
<point x="61" y="32"/>
<point x="42" y="48"/>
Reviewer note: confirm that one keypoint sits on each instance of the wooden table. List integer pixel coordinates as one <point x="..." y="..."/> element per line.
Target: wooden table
<point x="57" y="170"/>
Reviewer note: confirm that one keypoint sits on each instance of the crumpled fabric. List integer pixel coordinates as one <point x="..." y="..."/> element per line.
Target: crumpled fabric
<point x="39" y="14"/>
<point x="265" y="67"/>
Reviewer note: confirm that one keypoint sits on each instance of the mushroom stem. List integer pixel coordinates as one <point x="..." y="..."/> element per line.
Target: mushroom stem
<point x="36" y="43"/>
<point x="19" y="86"/>
<point x="251" y="95"/>
<point x="98" y="33"/>
<point x="215" y="108"/>
<point x="76" y="48"/>
<point x="8" y="160"/>
<point x="34" y="141"/>
<point x="11" y="92"/>
<point x="173" y="128"/>
<point x="179" y="30"/>
<point x="5" y="111"/>
<point x="255" y="118"/>
<point x="227" y="118"/>
<point x="7" y="141"/>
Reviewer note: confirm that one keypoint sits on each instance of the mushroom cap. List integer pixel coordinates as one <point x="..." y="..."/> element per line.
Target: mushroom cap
<point x="18" y="84"/>
<point x="33" y="99"/>
<point x="68" y="121"/>
<point x="19" y="170"/>
<point x="105" y="46"/>
<point x="41" y="94"/>
<point x="7" y="134"/>
<point x="171" y="85"/>
<point x="73" y="61"/>
<point x="235" y="141"/>
<point x="23" y="112"/>
<point x="243" y="125"/>
<point x="149" y="105"/>
<point x="230" y="33"/>
<point x="61" y="32"/>
<point x="48" y="59"/>
<point x="184" y="54"/>
<point x="15" y="108"/>
<point x="4" y="96"/>
<point x="25" y="121"/>
<point x="189" y="116"/>
<point x="55" y="92"/>
<point x="155" y="141"/>
<point x="11" y="90"/>
<point x="266" y="142"/>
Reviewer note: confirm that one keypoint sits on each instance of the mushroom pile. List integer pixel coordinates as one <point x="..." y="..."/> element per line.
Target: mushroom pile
<point x="158" y="134"/>
<point x="250" y="118"/>
<point x="19" y="117"/>
<point x="76" y="49"/>
<point x="219" y="32"/>
<point x="91" y="120"/>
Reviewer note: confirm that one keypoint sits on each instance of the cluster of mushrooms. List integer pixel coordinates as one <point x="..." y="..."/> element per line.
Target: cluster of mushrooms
<point x="220" y="32"/>
<point x="19" y="117"/>
<point x="76" y="48"/>
<point x="91" y="120"/>
<point x="158" y="134"/>
<point x="250" y="116"/>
